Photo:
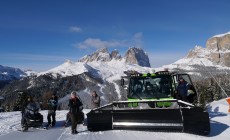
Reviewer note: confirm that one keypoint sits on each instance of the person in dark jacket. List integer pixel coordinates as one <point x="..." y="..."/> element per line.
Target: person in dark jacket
<point x="52" y="107"/>
<point x="95" y="100"/>
<point x="25" y="103"/>
<point x="182" y="89"/>
<point x="74" y="110"/>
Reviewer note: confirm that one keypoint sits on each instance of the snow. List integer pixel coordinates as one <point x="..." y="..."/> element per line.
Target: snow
<point x="10" y="122"/>
<point x="68" y="68"/>
<point x="221" y="35"/>
<point x="110" y="71"/>
<point x="201" y="57"/>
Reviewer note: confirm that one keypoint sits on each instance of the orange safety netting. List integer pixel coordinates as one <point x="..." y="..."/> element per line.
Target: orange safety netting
<point x="228" y="100"/>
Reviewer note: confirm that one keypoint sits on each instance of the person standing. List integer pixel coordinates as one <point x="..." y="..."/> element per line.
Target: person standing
<point x="182" y="89"/>
<point x="95" y="100"/>
<point x="74" y="110"/>
<point x="52" y="105"/>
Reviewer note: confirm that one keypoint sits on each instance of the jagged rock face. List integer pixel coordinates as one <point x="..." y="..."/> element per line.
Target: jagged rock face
<point x="115" y="55"/>
<point x="217" y="50"/>
<point x="215" y="57"/>
<point x="219" y="43"/>
<point x="100" y="55"/>
<point x="219" y="47"/>
<point x="137" y="56"/>
<point x="227" y="59"/>
<point x="132" y="56"/>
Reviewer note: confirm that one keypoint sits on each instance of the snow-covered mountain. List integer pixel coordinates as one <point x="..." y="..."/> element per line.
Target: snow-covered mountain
<point x="108" y="66"/>
<point x="9" y="73"/>
<point x="101" y="71"/>
<point x="132" y="56"/>
<point x="215" y="54"/>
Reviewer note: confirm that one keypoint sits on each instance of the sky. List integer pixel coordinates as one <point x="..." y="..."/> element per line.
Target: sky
<point x="42" y="34"/>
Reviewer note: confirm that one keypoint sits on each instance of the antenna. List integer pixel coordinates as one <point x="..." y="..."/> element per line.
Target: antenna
<point x="215" y="79"/>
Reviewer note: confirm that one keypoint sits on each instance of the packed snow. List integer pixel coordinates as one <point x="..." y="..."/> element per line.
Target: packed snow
<point x="10" y="123"/>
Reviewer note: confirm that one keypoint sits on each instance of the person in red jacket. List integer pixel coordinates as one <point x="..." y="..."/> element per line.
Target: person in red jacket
<point x="74" y="110"/>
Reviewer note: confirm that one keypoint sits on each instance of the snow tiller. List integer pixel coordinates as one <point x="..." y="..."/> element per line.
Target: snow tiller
<point x="153" y="104"/>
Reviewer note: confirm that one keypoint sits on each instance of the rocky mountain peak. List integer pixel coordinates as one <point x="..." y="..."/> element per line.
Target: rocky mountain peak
<point x="137" y="56"/>
<point x="115" y="55"/>
<point x="217" y="50"/>
<point x="132" y="56"/>
<point x="219" y="42"/>
<point x="101" y="54"/>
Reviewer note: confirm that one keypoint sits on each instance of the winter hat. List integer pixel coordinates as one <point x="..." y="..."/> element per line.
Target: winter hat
<point x="74" y="93"/>
<point x="181" y="78"/>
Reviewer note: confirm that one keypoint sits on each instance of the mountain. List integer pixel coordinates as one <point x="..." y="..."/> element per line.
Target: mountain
<point x="132" y="56"/>
<point x="137" y="56"/>
<point x="100" y="71"/>
<point x="216" y="55"/>
<point x="9" y="73"/>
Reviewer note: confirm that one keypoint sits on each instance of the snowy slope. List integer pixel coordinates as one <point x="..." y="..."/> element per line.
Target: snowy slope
<point x="108" y="71"/>
<point x="10" y="122"/>
<point x="201" y="58"/>
<point x="68" y="68"/>
<point x="112" y="70"/>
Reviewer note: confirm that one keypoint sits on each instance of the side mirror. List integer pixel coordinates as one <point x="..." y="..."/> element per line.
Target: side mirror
<point x="122" y="82"/>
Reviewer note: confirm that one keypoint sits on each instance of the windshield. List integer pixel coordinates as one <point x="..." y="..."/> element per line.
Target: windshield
<point x="150" y="87"/>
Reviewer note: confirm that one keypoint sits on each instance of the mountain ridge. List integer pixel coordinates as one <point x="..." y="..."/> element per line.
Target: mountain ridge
<point x="132" y="56"/>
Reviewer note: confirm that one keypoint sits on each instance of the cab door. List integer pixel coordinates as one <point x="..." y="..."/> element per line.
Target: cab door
<point x="192" y="93"/>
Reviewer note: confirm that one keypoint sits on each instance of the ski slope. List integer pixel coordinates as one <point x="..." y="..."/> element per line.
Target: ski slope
<point x="10" y="123"/>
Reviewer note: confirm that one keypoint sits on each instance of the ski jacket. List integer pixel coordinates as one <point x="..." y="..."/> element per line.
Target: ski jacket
<point x="53" y="103"/>
<point x="74" y="105"/>
<point x="182" y="88"/>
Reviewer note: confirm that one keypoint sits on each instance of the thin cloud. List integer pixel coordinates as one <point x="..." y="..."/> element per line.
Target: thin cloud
<point x="75" y="29"/>
<point x="98" y="43"/>
<point x="35" y="62"/>
<point x="135" y="40"/>
<point x="33" y="57"/>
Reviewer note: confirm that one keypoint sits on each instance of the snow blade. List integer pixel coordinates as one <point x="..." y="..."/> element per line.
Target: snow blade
<point x="183" y="117"/>
<point x="99" y="120"/>
<point x="196" y="121"/>
<point x="157" y="119"/>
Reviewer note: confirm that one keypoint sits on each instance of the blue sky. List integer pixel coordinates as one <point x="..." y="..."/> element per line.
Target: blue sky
<point x="41" y="34"/>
